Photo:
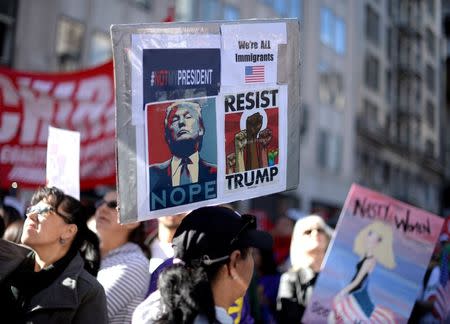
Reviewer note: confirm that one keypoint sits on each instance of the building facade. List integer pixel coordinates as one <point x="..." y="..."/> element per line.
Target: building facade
<point x="64" y="35"/>
<point x="398" y="146"/>
<point x="371" y="92"/>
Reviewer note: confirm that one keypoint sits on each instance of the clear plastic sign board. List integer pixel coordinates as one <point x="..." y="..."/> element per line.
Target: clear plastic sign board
<point x="206" y="113"/>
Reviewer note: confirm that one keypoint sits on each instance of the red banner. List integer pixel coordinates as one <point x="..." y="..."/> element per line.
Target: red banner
<point x="82" y="101"/>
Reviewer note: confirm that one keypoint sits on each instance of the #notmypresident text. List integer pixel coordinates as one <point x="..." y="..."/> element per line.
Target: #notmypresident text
<point x="254" y="74"/>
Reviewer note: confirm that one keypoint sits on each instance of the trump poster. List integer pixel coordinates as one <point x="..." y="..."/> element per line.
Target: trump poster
<point x="255" y="142"/>
<point x="374" y="266"/>
<point x="182" y="152"/>
<point x="199" y="121"/>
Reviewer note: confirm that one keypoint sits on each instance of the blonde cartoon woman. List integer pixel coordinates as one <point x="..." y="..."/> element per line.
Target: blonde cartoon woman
<point x="353" y="304"/>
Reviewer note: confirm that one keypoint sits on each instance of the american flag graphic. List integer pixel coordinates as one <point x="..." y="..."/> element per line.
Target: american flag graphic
<point x="347" y="310"/>
<point x="254" y="74"/>
<point x="441" y="305"/>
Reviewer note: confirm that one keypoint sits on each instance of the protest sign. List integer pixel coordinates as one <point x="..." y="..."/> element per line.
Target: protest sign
<point x="81" y="101"/>
<point x="255" y="144"/>
<point x="374" y="267"/>
<point x="188" y="95"/>
<point x="63" y="161"/>
<point x="250" y="53"/>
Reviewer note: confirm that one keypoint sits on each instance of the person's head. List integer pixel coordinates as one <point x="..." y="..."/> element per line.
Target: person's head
<point x="2" y="226"/>
<point x="108" y="227"/>
<point x="310" y="237"/>
<point x="55" y="220"/>
<point x="376" y="239"/>
<point x="51" y="219"/>
<point x="264" y="262"/>
<point x="215" y="247"/>
<point x="14" y="231"/>
<point x="283" y="226"/>
<point x="184" y="128"/>
<point x="9" y="214"/>
<point x="171" y="222"/>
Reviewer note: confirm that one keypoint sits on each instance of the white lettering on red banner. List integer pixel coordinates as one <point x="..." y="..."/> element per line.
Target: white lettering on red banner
<point x="81" y="101"/>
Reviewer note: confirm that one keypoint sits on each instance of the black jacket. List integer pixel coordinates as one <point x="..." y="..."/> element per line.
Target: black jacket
<point x="294" y="292"/>
<point x="74" y="297"/>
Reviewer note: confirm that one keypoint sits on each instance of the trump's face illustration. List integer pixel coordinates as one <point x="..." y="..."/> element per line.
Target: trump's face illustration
<point x="184" y="128"/>
<point x="184" y="123"/>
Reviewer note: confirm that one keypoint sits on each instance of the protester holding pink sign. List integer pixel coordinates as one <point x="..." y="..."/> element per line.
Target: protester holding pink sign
<point x="376" y="234"/>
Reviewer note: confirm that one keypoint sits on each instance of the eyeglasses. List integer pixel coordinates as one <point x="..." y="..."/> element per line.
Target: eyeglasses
<point x="249" y="222"/>
<point x="110" y="204"/>
<point x="309" y="231"/>
<point x="42" y="209"/>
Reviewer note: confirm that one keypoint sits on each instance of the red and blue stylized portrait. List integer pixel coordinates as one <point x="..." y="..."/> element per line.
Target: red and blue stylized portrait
<point x="182" y="152"/>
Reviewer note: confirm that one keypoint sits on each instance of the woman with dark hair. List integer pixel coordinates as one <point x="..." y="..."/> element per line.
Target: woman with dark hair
<point x="49" y="284"/>
<point x="214" y="245"/>
<point x="9" y="214"/>
<point x="14" y="231"/>
<point x="124" y="267"/>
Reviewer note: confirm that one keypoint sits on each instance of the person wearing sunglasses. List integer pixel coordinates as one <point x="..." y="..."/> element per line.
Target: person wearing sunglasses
<point x="50" y="283"/>
<point x="213" y="247"/>
<point x="124" y="266"/>
<point x="310" y="240"/>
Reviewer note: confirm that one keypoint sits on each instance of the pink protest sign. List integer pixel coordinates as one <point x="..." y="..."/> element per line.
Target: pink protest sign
<point x="376" y="261"/>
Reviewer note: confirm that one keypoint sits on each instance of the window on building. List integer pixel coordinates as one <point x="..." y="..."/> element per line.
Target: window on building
<point x="386" y="172"/>
<point x="100" y="48"/>
<point x="332" y="30"/>
<point x="280" y="7"/>
<point x="8" y="12"/>
<point x="326" y="26"/>
<point x="363" y="165"/>
<point x="418" y="91"/>
<point x="431" y="41"/>
<point x="429" y="147"/>
<point x="230" y="12"/>
<point x="340" y="36"/>
<point x="146" y="4"/>
<point x="329" y="151"/>
<point x="210" y="10"/>
<point x="331" y="87"/>
<point x="403" y="132"/>
<point x="430" y="7"/>
<point x="296" y="8"/>
<point x="184" y="10"/>
<point x="285" y="8"/>
<point x="322" y="149"/>
<point x="389" y="42"/>
<point x="430" y="77"/>
<point x="388" y="86"/>
<point x="372" y="25"/>
<point x="390" y="7"/>
<point x="69" y="43"/>
<point x="429" y="114"/>
<point x="370" y="115"/>
<point x="371" y="72"/>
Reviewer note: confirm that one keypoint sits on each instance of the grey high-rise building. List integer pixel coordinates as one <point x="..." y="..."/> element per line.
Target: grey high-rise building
<point x="371" y="92"/>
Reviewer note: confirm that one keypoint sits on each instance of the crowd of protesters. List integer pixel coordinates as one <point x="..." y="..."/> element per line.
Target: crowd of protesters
<point x="62" y="262"/>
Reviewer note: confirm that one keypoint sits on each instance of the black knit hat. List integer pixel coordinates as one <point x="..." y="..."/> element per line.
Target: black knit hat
<point x="209" y="234"/>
